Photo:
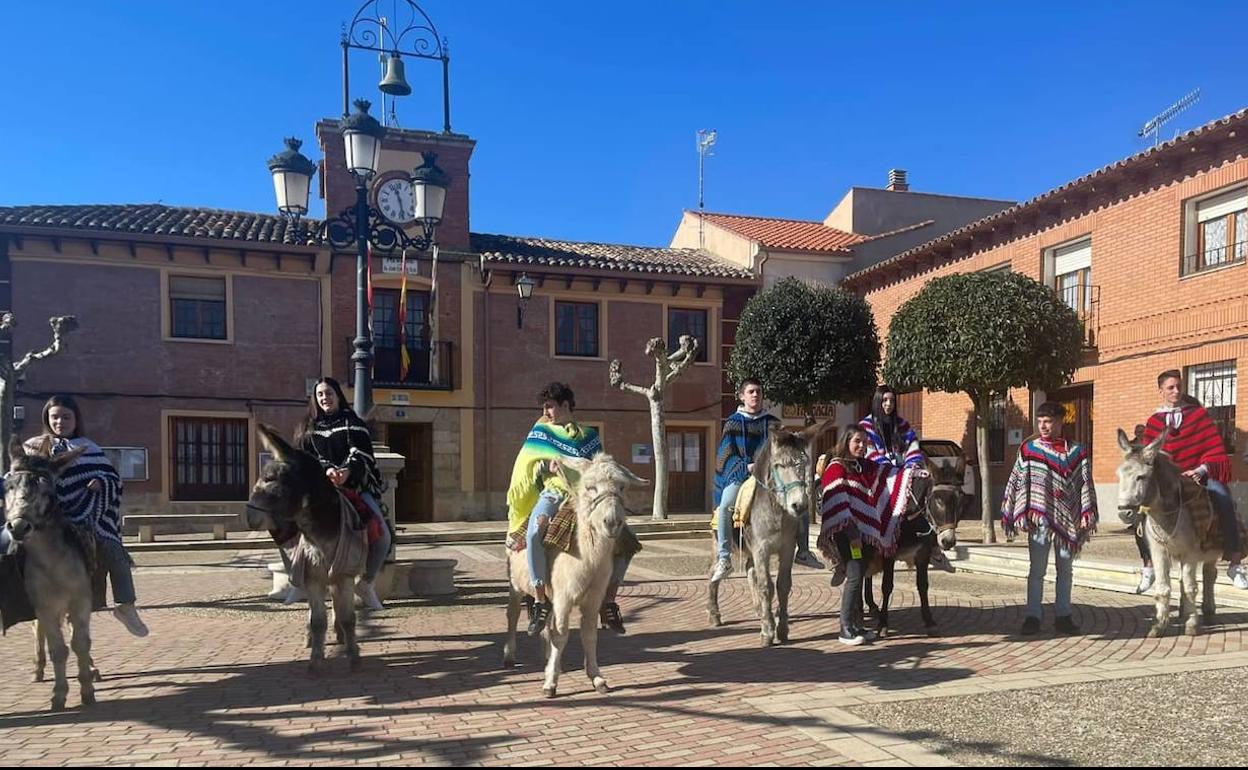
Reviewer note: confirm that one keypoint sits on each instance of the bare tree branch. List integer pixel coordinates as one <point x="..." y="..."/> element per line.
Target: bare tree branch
<point x="61" y="325"/>
<point x="683" y="357"/>
<point x="7" y="322"/>
<point x="616" y="377"/>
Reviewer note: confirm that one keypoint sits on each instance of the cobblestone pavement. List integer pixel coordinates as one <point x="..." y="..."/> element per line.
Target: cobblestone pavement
<point x="222" y="679"/>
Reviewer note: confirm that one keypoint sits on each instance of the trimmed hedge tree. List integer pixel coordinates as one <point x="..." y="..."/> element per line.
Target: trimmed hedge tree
<point x="807" y="344"/>
<point x="982" y="334"/>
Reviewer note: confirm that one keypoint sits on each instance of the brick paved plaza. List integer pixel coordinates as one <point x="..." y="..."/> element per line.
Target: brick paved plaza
<point x="222" y="679"/>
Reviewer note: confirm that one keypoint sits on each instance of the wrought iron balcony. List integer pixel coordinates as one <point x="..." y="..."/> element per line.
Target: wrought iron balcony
<point x="431" y="365"/>
<point x="1211" y="259"/>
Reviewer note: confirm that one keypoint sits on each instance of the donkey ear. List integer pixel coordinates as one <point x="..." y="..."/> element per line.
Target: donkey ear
<point x="16" y="449"/>
<point x="273" y="442"/>
<point x="65" y="459"/>
<point x="763" y="458"/>
<point x="1150" y="451"/>
<point x="576" y="464"/>
<point x="814" y="431"/>
<point x="633" y="478"/>
<point x="1124" y="443"/>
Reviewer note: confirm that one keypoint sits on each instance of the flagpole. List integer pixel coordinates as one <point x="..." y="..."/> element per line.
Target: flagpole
<point x="434" y="363"/>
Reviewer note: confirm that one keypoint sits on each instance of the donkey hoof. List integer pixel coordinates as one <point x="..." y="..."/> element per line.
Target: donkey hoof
<point x="509" y="662"/>
<point x="767" y="641"/>
<point x="1191" y="629"/>
<point x="782" y="636"/>
<point x="88" y="699"/>
<point x="96" y="676"/>
<point x="716" y="621"/>
<point x="548" y="692"/>
<point x="1156" y="632"/>
<point x="38" y="677"/>
<point x="1208" y="618"/>
<point x="58" y="704"/>
<point x="600" y="685"/>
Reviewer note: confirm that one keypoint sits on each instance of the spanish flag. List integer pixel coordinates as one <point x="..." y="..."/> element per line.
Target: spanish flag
<point x="405" y="359"/>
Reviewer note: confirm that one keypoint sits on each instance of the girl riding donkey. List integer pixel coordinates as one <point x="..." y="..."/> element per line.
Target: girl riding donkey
<point x="334" y="434"/>
<point x="539" y="488"/>
<point x="89" y="492"/>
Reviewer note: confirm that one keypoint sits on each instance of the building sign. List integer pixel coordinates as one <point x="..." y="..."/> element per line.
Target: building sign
<point x="790" y="412"/>
<point x="395" y="265"/>
<point x="642" y="453"/>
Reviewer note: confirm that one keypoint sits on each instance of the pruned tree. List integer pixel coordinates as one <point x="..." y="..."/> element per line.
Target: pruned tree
<point x="11" y="371"/>
<point x="666" y="368"/>
<point x="982" y="334"/>
<point x="807" y="344"/>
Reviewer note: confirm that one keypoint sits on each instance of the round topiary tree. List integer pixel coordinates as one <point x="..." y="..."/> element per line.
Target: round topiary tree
<point x="807" y="344"/>
<point x="982" y="334"/>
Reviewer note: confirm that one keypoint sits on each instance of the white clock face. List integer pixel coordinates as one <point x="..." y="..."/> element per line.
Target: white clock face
<point x="396" y="202"/>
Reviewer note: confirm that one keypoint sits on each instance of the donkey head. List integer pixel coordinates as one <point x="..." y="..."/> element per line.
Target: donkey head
<point x="1137" y="475"/>
<point x="783" y="467"/>
<point x="285" y="486"/>
<point x="30" y="488"/>
<point x="600" y="492"/>
<point x="945" y="501"/>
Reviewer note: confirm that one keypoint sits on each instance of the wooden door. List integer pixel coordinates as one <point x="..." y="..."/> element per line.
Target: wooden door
<point x="686" y="470"/>
<point x="413" y="497"/>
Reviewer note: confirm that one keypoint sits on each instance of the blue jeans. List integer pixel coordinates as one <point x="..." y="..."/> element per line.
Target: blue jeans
<point x="1040" y="545"/>
<point x="547" y="506"/>
<point x="378" y="550"/>
<point x="117" y="562"/>
<point x="803" y="534"/>
<point x="1224" y="506"/>
<point x="724" y="518"/>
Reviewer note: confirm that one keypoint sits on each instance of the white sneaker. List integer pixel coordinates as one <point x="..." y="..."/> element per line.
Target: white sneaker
<point x="1146" y="580"/>
<point x="368" y="594"/>
<point x="128" y="616"/>
<point x="808" y="559"/>
<point x="295" y="595"/>
<point x="1236" y="573"/>
<point x="723" y="568"/>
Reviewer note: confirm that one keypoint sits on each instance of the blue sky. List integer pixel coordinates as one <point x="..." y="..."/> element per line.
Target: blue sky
<point x="585" y="114"/>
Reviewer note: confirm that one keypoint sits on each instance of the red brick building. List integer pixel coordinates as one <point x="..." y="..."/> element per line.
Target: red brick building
<point x="1151" y="251"/>
<point x="198" y="324"/>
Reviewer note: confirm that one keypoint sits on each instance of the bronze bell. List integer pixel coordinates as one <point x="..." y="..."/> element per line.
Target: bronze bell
<point x="394" y="82"/>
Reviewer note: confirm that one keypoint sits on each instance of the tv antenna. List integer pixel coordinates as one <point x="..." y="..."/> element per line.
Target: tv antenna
<point x="706" y="140"/>
<point x="1168" y="114"/>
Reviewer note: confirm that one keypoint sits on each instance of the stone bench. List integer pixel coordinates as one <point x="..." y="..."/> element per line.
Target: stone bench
<point x="149" y="523"/>
<point x="401" y="579"/>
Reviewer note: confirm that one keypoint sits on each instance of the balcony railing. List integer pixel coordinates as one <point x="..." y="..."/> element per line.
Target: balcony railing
<point x="1212" y="259"/>
<point x="1085" y="300"/>
<point x="431" y="366"/>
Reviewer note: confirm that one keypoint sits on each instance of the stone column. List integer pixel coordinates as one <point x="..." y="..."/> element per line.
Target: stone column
<point x="389" y="464"/>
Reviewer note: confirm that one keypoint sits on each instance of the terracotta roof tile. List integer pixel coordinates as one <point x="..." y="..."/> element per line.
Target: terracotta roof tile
<point x="794" y="234"/>
<point x="158" y="219"/>
<point x="516" y="250"/>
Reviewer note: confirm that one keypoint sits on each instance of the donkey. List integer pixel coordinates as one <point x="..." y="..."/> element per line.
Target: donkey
<point x="782" y="472"/>
<point x="57" y="570"/>
<point x="293" y="493"/>
<point x="579" y="579"/>
<point x="1148" y="479"/>
<point x="932" y="516"/>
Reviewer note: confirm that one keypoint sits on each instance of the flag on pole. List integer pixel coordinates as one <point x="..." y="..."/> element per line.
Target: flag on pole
<point x="431" y="319"/>
<point x="405" y="359"/>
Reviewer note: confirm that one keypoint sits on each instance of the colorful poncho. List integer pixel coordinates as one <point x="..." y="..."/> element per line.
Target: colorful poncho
<point x="546" y="441"/>
<point x="1194" y="440"/>
<point x="98" y="511"/>
<point x="1050" y="491"/>
<point x="744" y="434"/>
<point x="868" y="496"/>
<point x="904" y="453"/>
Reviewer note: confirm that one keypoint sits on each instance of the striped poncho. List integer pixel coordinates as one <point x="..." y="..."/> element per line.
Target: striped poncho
<point x="904" y="451"/>
<point x="1050" y="491"/>
<point x="99" y="511"/>
<point x="744" y="434"/>
<point x="546" y="441"/>
<point x="1194" y="440"/>
<point x="869" y="496"/>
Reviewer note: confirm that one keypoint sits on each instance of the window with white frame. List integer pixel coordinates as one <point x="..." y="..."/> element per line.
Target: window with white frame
<point x="1218" y="231"/>
<point x="1072" y="271"/>
<point x="130" y="462"/>
<point x="197" y="307"/>
<point x="1214" y="386"/>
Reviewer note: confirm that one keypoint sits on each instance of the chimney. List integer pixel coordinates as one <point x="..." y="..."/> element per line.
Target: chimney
<point x="897" y="180"/>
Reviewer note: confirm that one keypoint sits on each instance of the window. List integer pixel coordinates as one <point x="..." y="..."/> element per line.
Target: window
<point x="1214" y="386"/>
<point x="197" y="307"/>
<point x="387" y="358"/>
<point x="130" y="462"/>
<point x="996" y="428"/>
<point x="681" y="321"/>
<point x="209" y="459"/>
<point x="1072" y="265"/>
<point x="576" y="329"/>
<point x="1219" y="233"/>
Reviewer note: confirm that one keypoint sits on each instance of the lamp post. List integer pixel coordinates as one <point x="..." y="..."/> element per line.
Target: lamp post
<point x="524" y="287"/>
<point x="409" y="32"/>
